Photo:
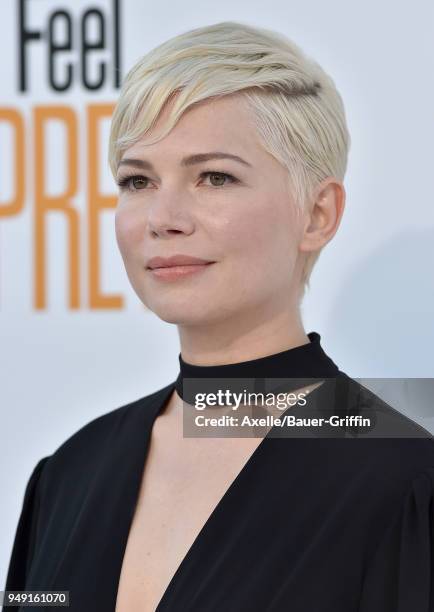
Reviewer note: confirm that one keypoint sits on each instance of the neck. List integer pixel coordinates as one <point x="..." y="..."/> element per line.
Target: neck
<point x="248" y="337"/>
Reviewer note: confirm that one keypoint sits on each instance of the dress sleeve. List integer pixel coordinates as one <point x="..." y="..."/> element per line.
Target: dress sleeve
<point x="400" y="576"/>
<point x="24" y="541"/>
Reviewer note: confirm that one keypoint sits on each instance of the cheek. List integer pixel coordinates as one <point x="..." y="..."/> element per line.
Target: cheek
<point x="265" y="239"/>
<point x="129" y="231"/>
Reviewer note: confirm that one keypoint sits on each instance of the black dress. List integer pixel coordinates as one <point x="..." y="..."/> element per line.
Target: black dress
<point x="311" y="523"/>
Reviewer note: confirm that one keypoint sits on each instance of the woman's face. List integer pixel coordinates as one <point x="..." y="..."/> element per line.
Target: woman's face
<point x="246" y="222"/>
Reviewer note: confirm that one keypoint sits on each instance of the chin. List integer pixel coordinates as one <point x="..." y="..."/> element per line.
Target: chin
<point x="193" y="312"/>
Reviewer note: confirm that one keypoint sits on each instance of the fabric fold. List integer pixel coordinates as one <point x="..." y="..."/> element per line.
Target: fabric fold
<point x="25" y="535"/>
<point x="400" y="576"/>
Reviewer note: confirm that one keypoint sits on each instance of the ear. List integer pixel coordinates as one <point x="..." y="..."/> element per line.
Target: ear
<point x="324" y="215"/>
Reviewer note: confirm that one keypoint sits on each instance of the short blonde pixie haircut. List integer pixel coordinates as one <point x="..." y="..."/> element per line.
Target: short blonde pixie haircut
<point x="297" y="110"/>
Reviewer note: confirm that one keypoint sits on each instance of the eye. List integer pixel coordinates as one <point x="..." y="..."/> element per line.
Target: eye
<point x="220" y="176"/>
<point x="124" y="181"/>
<point x="140" y="181"/>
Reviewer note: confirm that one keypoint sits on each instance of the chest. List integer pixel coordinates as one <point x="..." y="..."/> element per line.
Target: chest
<point x="182" y="483"/>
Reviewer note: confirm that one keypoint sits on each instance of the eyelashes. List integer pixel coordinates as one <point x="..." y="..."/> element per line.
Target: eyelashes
<point x="124" y="181"/>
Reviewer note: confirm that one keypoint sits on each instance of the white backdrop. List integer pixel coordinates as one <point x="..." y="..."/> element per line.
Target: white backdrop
<point x="372" y="293"/>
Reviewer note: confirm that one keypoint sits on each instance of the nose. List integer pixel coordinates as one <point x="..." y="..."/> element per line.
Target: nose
<point x="168" y="215"/>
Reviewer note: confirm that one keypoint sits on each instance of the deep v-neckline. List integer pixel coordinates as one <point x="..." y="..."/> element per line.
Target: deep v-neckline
<point x="157" y="409"/>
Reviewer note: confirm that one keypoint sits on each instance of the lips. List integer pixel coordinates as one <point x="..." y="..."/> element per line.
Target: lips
<point x="176" y="260"/>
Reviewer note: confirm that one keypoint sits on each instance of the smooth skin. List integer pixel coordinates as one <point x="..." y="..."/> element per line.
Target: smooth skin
<point x="246" y="305"/>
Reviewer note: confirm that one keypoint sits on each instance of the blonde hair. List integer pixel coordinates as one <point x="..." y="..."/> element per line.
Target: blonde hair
<point x="297" y="110"/>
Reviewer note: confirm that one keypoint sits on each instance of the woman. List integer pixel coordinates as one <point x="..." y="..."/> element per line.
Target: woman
<point x="230" y="146"/>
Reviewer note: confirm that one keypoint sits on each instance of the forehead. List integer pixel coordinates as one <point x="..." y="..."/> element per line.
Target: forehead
<point x="217" y="124"/>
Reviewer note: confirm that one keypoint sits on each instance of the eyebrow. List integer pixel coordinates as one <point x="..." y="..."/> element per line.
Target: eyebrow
<point x="191" y="160"/>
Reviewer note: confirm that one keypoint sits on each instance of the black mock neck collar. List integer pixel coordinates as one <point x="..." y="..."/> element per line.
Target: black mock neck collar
<point x="308" y="361"/>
